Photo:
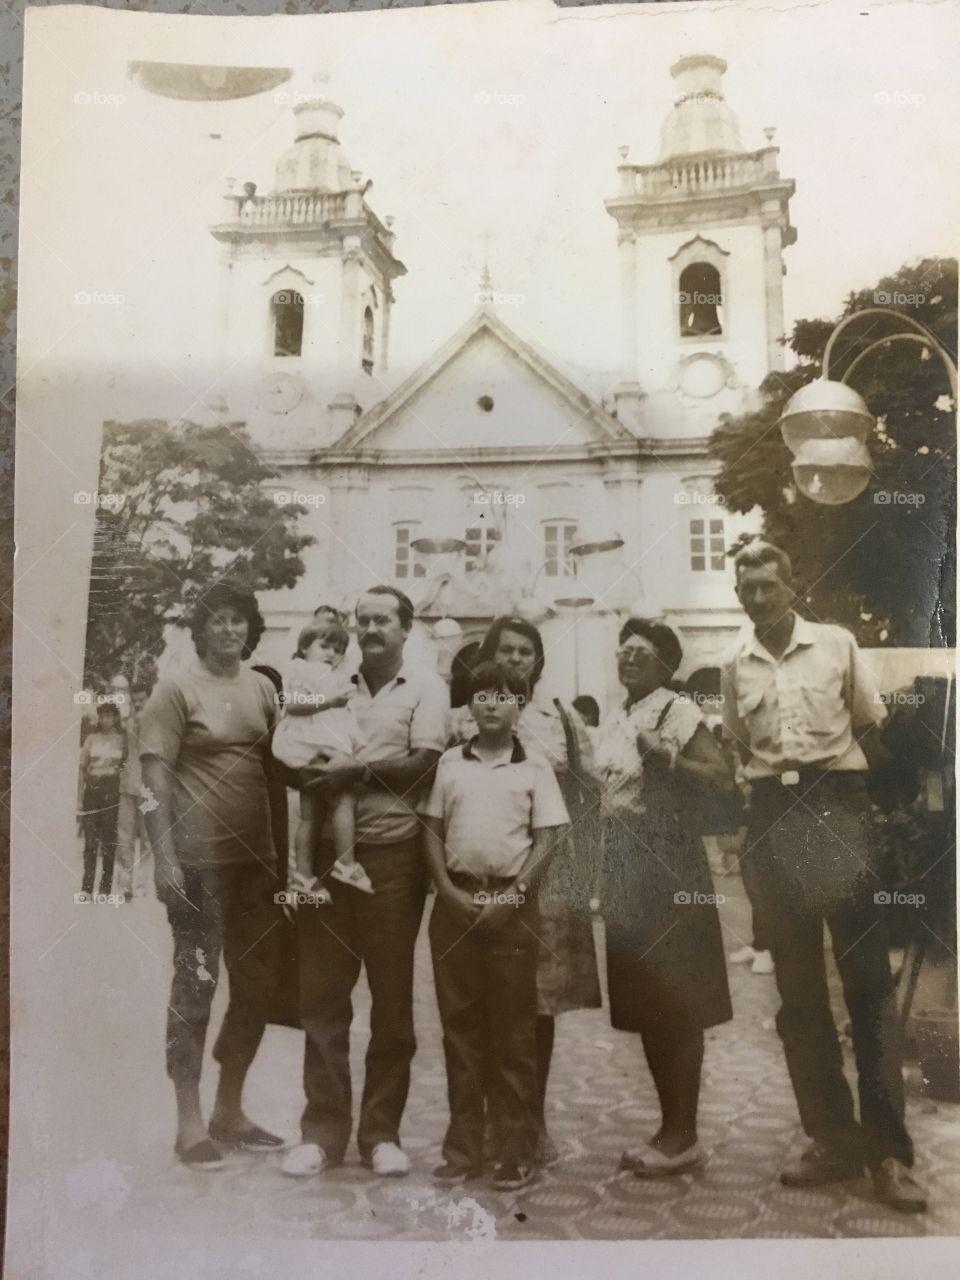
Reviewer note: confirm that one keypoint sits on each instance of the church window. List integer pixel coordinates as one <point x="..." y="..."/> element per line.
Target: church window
<point x="367" y="360"/>
<point x="286" y="309"/>
<point x="406" y="561"/>
<point x="559" y="536"/>
<point x="707" y="546"/>
<point x="700" y="301"/>
<point x="480" y="540"/>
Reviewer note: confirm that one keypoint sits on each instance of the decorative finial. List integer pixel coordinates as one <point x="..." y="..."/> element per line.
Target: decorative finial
<point x="770" y="133"/>
<point x="486" y="295"/>
<point x="623" y="152"/>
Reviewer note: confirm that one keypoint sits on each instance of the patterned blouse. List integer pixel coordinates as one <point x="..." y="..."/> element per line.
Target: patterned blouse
<point x="618" y="759"/>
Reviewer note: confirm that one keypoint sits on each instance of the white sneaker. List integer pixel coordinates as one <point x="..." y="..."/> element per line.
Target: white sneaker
<point x="743" y="956"/>
<point x="389" y="1161"/>
<point x="304" y="1161"/>
<point x="762" y="963"/>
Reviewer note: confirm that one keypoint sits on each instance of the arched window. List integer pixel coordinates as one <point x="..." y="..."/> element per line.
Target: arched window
<point x="286" y="311"/>
<point x="700" y="301"/>
<point x="367" y="360"/>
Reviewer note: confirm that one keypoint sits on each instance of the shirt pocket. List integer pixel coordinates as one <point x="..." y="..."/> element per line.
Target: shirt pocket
<point x="821" y="698"/>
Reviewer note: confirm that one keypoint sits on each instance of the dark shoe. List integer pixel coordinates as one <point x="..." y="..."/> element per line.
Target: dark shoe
<point x="203" y="1155"/>
<point x="818" y="1166"/>
<point x="452" y="1175"/>
<point x="511" y="1177"/>
<point x="896" y="1186"/>
<point x="252" y="1139"/>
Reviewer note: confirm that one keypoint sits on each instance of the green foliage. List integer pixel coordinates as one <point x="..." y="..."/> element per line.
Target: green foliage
<point x="884" y="569"/>
<point x="186" y="507"/>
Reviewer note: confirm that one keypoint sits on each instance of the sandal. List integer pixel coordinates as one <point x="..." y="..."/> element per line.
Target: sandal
<point x="252" y="1139"/>
<point x="203" y="1155"/>
<point x="650" y="1162"/>
<point x="352" y="874"/>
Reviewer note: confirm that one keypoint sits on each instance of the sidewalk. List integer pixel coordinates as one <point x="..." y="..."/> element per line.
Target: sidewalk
<point x="602" y="1100"/>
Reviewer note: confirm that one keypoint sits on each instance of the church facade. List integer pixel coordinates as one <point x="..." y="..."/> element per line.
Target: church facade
<point x="488" y="481"/>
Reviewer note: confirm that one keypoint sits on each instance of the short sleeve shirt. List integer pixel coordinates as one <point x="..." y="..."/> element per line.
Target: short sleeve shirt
<point x="672" y="717"/>
<point x="408" y="714"/>
<point x="806" y="708"/>
<point x="212" y="732"/>
<point x="490" y="809"/>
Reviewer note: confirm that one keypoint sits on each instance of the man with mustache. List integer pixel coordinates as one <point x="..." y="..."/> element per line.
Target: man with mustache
<point x="800" y="705"/>
<point x="402" y="711"/>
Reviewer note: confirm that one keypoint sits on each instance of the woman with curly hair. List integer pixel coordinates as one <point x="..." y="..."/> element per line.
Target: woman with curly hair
<point x="205" y="753"/>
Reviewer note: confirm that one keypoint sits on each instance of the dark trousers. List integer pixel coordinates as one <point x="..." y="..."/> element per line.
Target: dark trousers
<point x="231" y="909"/>
<point x="814" y="861"/>
<point x="487" y="997"/>
<point x="760" y="940"/>
<point x="378" y="931"/>
<point x="102" y="800"/>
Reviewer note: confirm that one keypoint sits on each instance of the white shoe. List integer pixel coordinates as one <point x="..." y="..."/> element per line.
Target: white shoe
<point x="304" y="1161"/>
<point x="388" y="1161"/>
<point x="743" y="956"/>
<point x="762" y="963"/>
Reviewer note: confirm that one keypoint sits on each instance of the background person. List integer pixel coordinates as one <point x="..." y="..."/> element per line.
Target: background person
<point x="101" y="764"/>
<point x="204" y="739"/>
<point x="133" y="847"/>
<point x="665" y="965"/>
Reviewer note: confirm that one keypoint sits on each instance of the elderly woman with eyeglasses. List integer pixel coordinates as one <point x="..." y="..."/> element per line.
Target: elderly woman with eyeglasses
<point x="666" y="971"/>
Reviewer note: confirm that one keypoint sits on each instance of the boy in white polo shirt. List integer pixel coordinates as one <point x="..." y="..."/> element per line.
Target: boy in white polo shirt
<point x="491" y="821"/>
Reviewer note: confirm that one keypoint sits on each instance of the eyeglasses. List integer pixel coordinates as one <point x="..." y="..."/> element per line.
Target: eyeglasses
<point x="637" y="651"/>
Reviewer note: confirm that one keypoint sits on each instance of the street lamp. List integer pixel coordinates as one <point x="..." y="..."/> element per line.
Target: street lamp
<point x="826" y="424"/>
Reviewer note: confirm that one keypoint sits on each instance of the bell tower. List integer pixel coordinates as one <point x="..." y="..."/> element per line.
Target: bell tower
<point x="309" y="271"/>
<point x="701" y="234"/>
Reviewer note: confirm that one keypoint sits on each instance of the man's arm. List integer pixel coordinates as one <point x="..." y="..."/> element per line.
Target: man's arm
<point x="734" y="730"/>
<point x="398" y="774"/>
<point x="546" y="840"/>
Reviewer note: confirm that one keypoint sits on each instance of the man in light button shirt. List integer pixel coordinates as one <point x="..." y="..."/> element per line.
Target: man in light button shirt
<point x="800" y="705"/>
<point x="402" y="712"/>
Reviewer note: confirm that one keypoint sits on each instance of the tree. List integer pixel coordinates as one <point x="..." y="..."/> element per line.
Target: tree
<point x="179" y="506"/>
<point x="884" y="564"/>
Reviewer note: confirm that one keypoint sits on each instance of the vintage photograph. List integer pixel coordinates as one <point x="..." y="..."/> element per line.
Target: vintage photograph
<point x="487" y="619"/>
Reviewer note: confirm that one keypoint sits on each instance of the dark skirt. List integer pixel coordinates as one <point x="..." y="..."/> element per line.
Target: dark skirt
<point x="665" y="953"/>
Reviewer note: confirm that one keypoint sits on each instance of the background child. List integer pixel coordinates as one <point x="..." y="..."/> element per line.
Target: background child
<point x="315" y="722"/>
<point x="490" y="822"/>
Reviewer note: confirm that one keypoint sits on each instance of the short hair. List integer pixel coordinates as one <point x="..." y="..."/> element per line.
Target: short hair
<point x="318" y="631"/>
<point x="224" y="595"/>
<point x="332" y="612"/>
<point x="760" y="553"/>
<point x="140" y="688"/>
<point x="663" y="638"/>
<point x="491" y="642"/>
<point x="587" y="706"/>
<point x="498" y="678"/>
<point x="405" y="610"/>
<point x="109" y="708"/>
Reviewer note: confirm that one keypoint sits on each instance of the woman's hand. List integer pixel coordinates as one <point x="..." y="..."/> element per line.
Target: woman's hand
<point x="168" y="879"/>
<point x="651" y="742"/>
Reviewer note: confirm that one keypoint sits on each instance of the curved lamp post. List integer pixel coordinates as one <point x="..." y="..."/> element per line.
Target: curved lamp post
<point x="826" y="424"/>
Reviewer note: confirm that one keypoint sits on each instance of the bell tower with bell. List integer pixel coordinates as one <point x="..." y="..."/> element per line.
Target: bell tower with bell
<point x="701" y="235"/>
<point x="309" y="274"/>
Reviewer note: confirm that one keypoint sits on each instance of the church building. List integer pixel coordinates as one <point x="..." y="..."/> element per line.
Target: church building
<point x="488" y="481"/>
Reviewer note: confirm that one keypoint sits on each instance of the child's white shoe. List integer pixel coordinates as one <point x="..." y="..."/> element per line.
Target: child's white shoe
<point x="353" y="874"/>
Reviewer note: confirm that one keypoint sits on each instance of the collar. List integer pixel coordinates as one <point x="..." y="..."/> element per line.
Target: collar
<point x="518" y="755"/>
<point x="804" y="635"/>
<point x="402" y="676"/>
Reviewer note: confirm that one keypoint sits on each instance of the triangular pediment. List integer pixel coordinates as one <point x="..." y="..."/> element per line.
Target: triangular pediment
<point x="485" y="388"/>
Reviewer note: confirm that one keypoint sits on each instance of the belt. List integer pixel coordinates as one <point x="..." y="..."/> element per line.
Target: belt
<point x="805" y="778"/>
<point x="467" y="881"/>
